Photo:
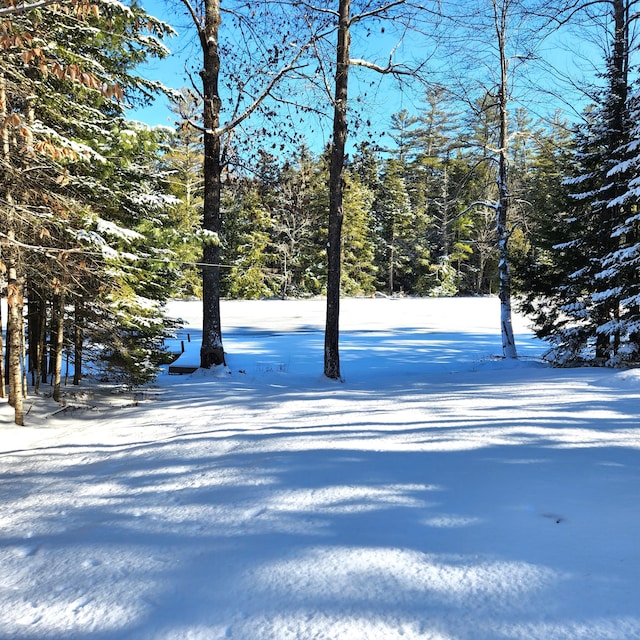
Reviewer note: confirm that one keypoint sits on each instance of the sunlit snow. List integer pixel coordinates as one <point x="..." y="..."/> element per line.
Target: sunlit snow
<point x="439" y="492"/>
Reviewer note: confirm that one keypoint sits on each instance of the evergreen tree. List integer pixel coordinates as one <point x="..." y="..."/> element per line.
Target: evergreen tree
<point x="64" y="73"/>
<point x="246" y="244"/>
<point x="397" y="242"/>
<point x="366" y="165"/>
<point x="622" y="264"/>
<point x="358" y="269"/>
<point x="537" y="270"/>
<point x="432" y="191"/>
<point x="182" y="164"/>
<point x="299" y="205"/>
<point x="402" y="132"/>
<point x="128" y="220"/>
<point x="587" y="310"/>
<point x="477" y="228"/>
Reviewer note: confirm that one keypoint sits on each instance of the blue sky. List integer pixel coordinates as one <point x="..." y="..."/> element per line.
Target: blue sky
<point x="171" y="70"/>
<point x="383" y="98"/>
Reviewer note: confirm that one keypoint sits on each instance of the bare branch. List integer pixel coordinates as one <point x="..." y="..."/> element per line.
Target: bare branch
<point x="475" y="205"/>
<point x="256" y="103"/>
<point x="325" y="76"/>
<point x="311" y="7"/>
<point x="375" y="12"/>
<point x="195" y="18"/>
<point x="390" y="68"/>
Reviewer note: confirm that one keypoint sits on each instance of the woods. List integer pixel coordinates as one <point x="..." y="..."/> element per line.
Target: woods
<point x="474" y="191"/>
<point x="76" y="194"/>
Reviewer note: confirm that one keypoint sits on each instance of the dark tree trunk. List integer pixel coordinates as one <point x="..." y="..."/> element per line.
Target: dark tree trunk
<point x="43" y="363"/>
<point x="212" y="351"/>
<point x="336" y="188"/>
<point x="5" y="148"/>
<point x="78" y="340"/>
<point x="392" y="258"/>
<point x="33" y="331"/>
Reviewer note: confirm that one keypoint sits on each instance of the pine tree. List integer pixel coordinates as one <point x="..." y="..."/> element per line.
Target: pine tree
<point x="587" y="320"/>
<point x="358" y="269"/>
<point x="622" y="265"/>
<point x="432" y="189"/>
<point x="130" y="216"/>
<point x="396" y="239"/>
<point x="182" y="164"/>
<point x="64" y="71"/>
<point x="246" y="244"/>
<point x="537" y="269"/>
<point x="299" y="204"/>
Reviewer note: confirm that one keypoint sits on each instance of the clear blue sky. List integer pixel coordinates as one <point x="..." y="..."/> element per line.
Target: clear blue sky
<point x="383" y="99"/>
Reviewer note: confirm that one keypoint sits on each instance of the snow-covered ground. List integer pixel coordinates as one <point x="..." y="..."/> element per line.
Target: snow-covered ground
<point x="438" y="492"/>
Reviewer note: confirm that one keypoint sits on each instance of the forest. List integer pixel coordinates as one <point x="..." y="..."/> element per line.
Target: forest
<point x="493" y="184"/>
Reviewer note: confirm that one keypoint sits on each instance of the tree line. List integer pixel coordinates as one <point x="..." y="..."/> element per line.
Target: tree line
<point x="103" y="219"/>
<point x="410" y="224"/>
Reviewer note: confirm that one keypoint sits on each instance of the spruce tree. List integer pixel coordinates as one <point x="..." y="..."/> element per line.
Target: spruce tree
<point x="596" y="267"/>
<point x="299" y="201"/>
<point x="398" y="241"/>
<point x="181" y="162"/>
<point x="66" y="70"/>
<point x="537" y="269"/>
<point x="622" y="265"/>
<point x="358" y="269"/>
<point x="246" y="244"/>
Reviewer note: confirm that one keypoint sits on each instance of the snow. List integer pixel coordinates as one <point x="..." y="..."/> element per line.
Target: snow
<point x="113" y="229"/>
<point x="439" y="492"/>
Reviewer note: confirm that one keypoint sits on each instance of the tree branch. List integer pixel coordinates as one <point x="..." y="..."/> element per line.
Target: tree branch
<point x="23" y="8"/>
<point x="375" y="12"/>
<point x="256" y="103"/>
<point x="390" y="68"/>
<point x="312" y="7"/>
<point x="196" y="20"/>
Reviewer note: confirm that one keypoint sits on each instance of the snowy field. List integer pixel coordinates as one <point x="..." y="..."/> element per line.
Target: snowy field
<point x="439" y="492"/>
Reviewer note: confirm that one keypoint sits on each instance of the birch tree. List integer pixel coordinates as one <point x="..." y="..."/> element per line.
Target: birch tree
<point x="501" y="17"/>
<point x="498" y="39"/>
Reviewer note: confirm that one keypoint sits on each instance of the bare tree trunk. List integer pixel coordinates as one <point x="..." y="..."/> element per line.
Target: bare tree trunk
<point x="15" y="328"/>
<point x="208" y="28"/>
<point x="502" y="208"/>
<point x="212" y="351"/>
<point x="33" y="316"/>
<point x="15" y="305"/>
<point x="336" y="188"/>
<point x="3" y="391"/>
<point x="392" y="257"/>
<point x="23" y="359"/>
<point x="5" y="155"/>
<point x="78" y="340"/>
<point x="58" y="312"/>
<point x="43" y="362"/>
<point x="37" y="319"/>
